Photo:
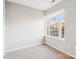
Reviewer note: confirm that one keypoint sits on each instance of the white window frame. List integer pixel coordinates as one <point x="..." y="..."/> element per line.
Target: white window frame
<point x="47" y="23"/>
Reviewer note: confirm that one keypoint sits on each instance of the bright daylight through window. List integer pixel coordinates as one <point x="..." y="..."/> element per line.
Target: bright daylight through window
<point x="56" y="25"/>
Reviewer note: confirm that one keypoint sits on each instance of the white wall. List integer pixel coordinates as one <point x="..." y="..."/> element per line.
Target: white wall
<point x="24" y="26"/>
<point x="68" y="45"/>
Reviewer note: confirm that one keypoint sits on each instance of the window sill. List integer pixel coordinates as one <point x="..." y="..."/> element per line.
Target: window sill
<point x="55" y="38"/>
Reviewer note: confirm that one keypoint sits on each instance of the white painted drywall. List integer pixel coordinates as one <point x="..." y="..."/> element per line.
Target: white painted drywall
<point x="68" y="45"/>
<point x="24" y="26"/>
<point x="38" y="4"/>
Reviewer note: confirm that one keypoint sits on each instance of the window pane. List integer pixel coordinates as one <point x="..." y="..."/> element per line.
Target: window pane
<point x="62" y="24"/>
<point x="56" y="25"/>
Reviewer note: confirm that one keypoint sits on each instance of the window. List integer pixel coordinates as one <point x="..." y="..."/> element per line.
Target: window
<point x="55" y="25"/>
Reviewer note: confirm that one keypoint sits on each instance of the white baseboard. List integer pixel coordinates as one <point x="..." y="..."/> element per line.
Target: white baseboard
<point x="59" y="49"/>
<point x="32" y="45"/>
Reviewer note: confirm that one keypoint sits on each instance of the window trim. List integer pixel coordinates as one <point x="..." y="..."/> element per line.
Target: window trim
<point x="47" y="22"/>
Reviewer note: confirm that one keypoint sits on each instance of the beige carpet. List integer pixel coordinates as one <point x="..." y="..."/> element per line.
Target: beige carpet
<point x="37" y="52"/>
